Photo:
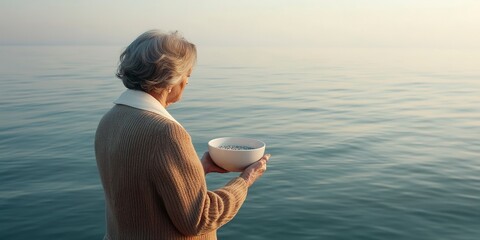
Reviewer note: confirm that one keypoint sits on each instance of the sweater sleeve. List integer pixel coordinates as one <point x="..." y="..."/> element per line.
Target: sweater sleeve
<point x="180" y="181"/>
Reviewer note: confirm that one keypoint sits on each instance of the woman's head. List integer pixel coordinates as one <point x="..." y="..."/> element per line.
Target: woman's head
<point x="156" y="61"/>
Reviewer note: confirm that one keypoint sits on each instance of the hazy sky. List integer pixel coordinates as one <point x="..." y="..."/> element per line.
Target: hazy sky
<point x="318" y="23"/>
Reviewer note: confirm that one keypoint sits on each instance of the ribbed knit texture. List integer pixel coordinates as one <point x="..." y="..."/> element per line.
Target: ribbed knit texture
<point x="154" y="182"/>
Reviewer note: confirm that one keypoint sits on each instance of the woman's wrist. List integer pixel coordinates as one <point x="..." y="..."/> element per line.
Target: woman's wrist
<point x="247" y="178"/>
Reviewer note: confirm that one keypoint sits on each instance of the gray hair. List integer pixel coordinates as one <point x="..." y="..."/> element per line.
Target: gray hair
<point x="156" y="60"/>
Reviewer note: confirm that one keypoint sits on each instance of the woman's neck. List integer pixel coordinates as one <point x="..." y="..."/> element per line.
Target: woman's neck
<point x="161" y="97"/>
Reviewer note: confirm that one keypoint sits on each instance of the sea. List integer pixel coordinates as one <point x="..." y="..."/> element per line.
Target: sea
<point x="366" y="143"/>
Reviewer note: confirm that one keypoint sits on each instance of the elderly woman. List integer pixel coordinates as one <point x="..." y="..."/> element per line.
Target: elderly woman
<point x="153" y="180"/>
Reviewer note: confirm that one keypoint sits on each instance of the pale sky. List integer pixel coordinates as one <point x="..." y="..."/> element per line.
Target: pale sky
<point x="306" y="23"/>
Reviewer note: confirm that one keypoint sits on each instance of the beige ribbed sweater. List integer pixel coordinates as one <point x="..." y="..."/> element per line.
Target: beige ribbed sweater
<point x="154" y="182"/>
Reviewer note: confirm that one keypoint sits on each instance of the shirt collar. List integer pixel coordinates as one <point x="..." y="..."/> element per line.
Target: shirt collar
<point x="142" y="100"/>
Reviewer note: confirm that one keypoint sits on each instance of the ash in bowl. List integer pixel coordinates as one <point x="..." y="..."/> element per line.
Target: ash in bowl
<point x="235" y="147"/>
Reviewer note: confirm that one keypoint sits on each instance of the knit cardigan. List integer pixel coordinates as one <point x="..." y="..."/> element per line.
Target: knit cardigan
<point x="154" y="182"/>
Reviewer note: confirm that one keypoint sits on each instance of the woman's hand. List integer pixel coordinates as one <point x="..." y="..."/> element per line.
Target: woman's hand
<point x="256" y="170"/>
<point x="209" y="166"/>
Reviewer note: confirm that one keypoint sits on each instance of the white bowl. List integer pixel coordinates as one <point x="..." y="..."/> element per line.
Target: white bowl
<point x="234" y="159"/>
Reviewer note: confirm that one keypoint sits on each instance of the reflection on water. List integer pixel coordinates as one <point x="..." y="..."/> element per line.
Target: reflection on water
<point x="366" y="143"/>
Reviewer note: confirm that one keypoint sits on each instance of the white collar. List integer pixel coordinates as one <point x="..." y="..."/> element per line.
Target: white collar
<point x="142" y="100"/>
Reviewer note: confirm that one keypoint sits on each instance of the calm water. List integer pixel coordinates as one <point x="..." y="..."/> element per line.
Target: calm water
<point x="366" y="143"/>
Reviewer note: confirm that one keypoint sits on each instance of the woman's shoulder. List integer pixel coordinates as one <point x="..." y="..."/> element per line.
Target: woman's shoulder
<point x="142" y="120"/>
<point x="168" y="127"/>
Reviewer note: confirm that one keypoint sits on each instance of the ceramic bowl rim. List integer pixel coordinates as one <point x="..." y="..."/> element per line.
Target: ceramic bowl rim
<point x="243" y="138"/>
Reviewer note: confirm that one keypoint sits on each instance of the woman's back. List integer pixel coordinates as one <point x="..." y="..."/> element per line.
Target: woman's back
<point x="154" y="184"/>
